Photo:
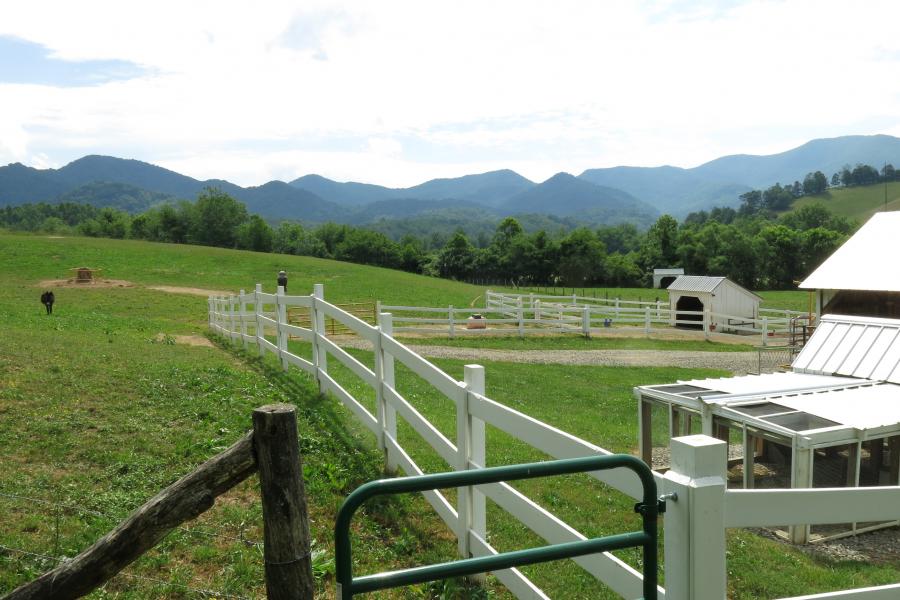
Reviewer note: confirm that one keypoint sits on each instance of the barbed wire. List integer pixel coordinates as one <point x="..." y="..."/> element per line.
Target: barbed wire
<point x="206" y="593"/>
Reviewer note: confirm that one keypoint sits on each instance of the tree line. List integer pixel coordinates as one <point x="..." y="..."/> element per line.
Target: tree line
<point x="757" y="249"/>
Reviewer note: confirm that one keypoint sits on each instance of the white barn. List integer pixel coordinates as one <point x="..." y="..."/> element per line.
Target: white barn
<point x="727" y="302"/>
<point x="860" y="278"/>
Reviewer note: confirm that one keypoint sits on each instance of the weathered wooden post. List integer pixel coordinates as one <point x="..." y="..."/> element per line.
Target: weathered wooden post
<point x="285" y="522"/>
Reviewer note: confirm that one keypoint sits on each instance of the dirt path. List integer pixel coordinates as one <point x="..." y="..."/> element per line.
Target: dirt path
<point x="736" y="362"/>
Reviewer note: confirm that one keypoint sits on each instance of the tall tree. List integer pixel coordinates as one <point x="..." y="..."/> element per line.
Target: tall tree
<point x="216" y="218"/>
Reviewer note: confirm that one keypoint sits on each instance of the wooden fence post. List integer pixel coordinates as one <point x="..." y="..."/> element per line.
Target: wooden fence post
<point x="387" y="369"/>
<point x="257" y="308"/>
<point x="285" y="521"/>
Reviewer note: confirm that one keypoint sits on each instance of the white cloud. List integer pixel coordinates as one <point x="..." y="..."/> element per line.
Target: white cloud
<point x="533" y="86"/>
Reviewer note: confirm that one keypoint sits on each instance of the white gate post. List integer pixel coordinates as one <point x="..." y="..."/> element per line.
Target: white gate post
<point x="387" y="378"/>
<point x="452" y="323"/>
<point x="646" y="319"/>
<point x="319" y="329"/>
<point x="257" y="311"/>
<point x="707" y="316"/>
<point x="471" y="446"/>
<point x="695" y="521"/>
<point x="243" y="308"/>
<point x="765" y="330"/>
<point x="281" y="320"/>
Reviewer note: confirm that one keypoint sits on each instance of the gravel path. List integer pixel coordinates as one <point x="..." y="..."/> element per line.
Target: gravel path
<point x="736" y="362"/>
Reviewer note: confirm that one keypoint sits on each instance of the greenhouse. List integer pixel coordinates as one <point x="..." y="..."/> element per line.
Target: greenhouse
<point x="833" y="421"/>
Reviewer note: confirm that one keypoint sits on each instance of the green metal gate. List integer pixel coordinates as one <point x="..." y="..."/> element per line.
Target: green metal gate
<point x="649" y="508"/>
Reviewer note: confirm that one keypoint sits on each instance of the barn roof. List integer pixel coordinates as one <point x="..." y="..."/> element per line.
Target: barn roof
<point x="864" y="347"/>
<point x="859" y="263"/>
<point x="702" y="283"/>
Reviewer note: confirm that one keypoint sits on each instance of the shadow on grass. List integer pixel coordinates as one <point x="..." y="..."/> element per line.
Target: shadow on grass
<point x="331" y="438"/>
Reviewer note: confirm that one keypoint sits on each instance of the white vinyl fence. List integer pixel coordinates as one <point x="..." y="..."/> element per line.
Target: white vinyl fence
<point x="695" y="522"/>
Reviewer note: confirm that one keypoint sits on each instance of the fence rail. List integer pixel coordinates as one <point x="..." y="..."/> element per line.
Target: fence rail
<point x="695" y="521"/>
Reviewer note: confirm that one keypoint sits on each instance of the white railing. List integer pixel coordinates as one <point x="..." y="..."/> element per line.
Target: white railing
<point x="265" y="326"/>
<point x="696" y="517"/>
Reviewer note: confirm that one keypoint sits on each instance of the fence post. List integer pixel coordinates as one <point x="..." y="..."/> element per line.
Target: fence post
<point x="530" y="299"/>
<point x="243" y="308"/>
<point x="450" y="317"/>
<point x="319" y="329"/>
<point x="487" y="299"/>
<point x="471" y="447"/>
<point x="765" y="330"/>
<point x="706" y="320"/>
<point x="257" y="311"/>
<point x="285" y="521"/>
<point x="232" y="324"/>
<point x="209" y="316"/>
<point x="537" y="311"/>
<point x="646" y="319"/>
<point x="657" y="309"/>
<point x="695" y="522"/>
<point x="586" y="321"/>
<point x="281" y="320"/>
<point x="521" y="315"/>
<point x="387" y="378"/>
<point x="617" y="308"/>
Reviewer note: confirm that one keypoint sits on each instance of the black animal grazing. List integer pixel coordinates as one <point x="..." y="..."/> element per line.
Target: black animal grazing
<point x="47" y="299"/>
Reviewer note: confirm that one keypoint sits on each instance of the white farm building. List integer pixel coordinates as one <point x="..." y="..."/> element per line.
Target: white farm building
<point x="728" y="304"/>
<point x="861" y="278"/>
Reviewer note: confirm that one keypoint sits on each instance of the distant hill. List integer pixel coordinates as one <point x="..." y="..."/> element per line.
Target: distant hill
<point x="564" y="195"/>
<point x="719" y="182"/>
<point x="116" y="195"/>
<point x="859" y="202"/>
<point x="488" y="189"/>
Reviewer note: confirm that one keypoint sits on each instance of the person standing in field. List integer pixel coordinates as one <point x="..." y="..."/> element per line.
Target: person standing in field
<point x="282" y="280"/>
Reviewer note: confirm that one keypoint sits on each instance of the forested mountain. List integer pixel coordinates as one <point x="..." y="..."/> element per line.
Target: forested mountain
<point x="565" y="195"/>
<point x="719" y="182"/>
<point x="487" y="189"/>
<point x="597" y="196"/>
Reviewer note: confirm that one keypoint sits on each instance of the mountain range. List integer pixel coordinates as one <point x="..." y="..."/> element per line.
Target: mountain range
<point x="610" y="195"/>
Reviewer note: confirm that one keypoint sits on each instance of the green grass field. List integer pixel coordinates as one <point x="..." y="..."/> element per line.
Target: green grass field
<point x="100" y="412"/>
<point x="858" y="203"/>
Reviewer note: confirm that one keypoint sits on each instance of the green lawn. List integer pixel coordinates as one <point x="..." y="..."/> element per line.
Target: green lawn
<point x="100" y="413"/>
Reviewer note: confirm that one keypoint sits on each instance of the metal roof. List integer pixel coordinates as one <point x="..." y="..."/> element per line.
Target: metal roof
<point x="668" y="271"/>
<point x="702" y="283"/>
<point x="860" y="263"/>
<point x="695" y="283"/>
<point x="721" y="390"/>
<point x="863" y="347"/>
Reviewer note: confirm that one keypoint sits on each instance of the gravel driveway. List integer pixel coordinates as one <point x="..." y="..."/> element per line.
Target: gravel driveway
<point x="737" y="362"/>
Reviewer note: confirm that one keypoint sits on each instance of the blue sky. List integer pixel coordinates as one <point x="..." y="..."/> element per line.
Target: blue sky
<point x="398" y="92"/>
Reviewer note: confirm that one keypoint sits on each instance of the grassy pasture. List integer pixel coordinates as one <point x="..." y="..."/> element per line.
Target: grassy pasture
<point x="100" y="413"/>
<point x="858" y="203"/>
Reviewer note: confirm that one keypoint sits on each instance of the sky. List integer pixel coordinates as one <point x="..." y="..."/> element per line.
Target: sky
<point x="399" y="92"/>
